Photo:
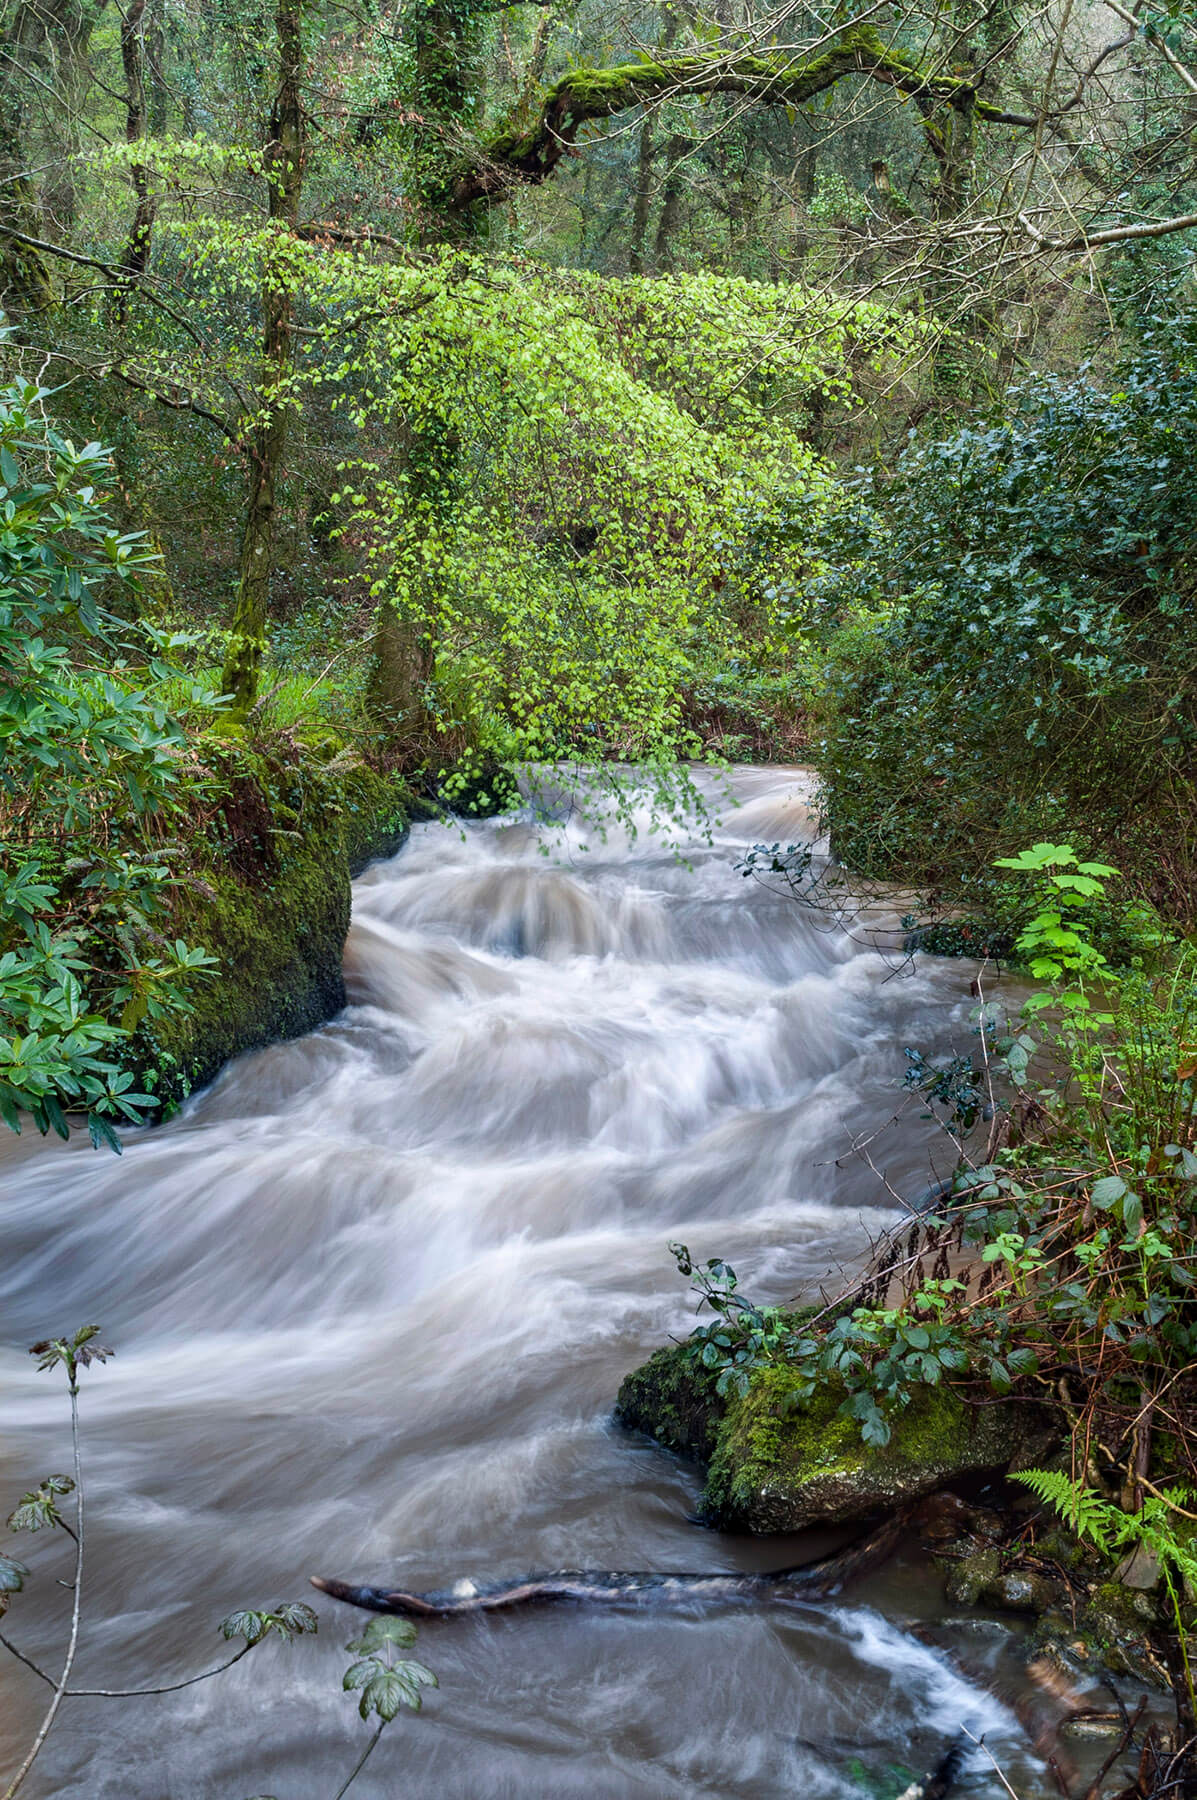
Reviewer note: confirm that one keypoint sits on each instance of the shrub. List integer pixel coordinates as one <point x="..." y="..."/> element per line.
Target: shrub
<point x="92" y="771"/>
<point x="1023" y="641"/>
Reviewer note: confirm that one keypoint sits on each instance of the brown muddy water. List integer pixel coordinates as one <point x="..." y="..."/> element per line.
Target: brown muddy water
<point x="372" y="1294"/>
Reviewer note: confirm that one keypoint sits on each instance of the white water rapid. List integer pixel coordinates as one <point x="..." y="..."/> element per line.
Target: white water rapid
<point x="372" y="1295"/>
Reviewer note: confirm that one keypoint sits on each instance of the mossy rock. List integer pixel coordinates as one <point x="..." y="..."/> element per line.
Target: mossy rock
<point x="983" y="1579"/>
<point x="780" y="1467"/>
<point x="672" y="1398"/>
<point x="1116" y="1628"/>
<point x="271" y="903"/>
<point x="375" y="813"/>
<point x="774" y="1464"/>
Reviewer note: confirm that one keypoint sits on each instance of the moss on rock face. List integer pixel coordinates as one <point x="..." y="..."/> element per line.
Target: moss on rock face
<point x="779" y="1466"/>
<point x="775" y="1465"/>
<point x="672" y="1398"/>
<point x="271" y="903"/>
<point x="375" y="813"/>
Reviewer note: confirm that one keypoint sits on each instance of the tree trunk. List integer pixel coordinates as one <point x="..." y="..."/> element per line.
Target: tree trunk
<point x="403" y="661"/>
<point x="68" y="46"/>
<point x="446" y="91"/>
<point x="644" y="197"/>
<point x="25" y="285"/>
<point x="136" y="254"/>
<point x="445" y="38"/>
<point x="676" y="151"/>
<point x="284" y="175"/>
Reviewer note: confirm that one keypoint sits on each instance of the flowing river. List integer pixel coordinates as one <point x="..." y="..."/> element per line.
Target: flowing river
<point x="372" y="1295"/>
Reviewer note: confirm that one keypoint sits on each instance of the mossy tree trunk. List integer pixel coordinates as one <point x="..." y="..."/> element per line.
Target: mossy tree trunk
<point x="446" y="39"/>
<point x="284" y="175"/>
<point x="136" y="21"/>
<point x="523" y="154"/>
<point x="643" y="198"/>
<point x="25" y="285"/>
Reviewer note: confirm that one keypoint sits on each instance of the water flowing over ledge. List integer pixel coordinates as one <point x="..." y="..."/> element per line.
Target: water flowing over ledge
<point x="374" y="1291"/>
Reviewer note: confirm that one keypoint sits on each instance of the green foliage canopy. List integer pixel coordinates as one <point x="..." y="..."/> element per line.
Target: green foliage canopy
<point x="580" y="463"/>
<point x="1022" y="645"/>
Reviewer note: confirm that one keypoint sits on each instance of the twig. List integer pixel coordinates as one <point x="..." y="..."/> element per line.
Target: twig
<point x="123" y="1693"/>
<point x="76" y="1606"/>
<point x="1168" y="1501"/>
<point x="981" y="1745"/>
<point x="1093" y="1792"/>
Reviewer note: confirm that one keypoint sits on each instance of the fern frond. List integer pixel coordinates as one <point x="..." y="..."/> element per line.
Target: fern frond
<point x="1082" y="1510"/>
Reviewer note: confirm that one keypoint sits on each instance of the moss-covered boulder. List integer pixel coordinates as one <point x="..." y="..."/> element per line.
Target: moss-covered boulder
<point x="776" y="1465"/>
<point x="672" y="1398"/>
<point x="268" y="895"/>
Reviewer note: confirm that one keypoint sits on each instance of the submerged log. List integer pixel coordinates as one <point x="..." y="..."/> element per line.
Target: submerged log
<point x="809" y="1581"/>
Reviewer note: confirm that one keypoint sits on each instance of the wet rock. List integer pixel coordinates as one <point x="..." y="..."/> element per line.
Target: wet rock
<point x="268" y="896"/>
<point x="967" y="1580"/>
<point x="1116" y="1626"/>
<point x="982" y="1579"/>
<point x="1139" y="1570"/>
<point x="776" y="1463"/>
<point x="1021" y="1590"/>
<point x="779" y="1466"/>
<point x="946" y="1518"/>
<point x="672" y="1398"/>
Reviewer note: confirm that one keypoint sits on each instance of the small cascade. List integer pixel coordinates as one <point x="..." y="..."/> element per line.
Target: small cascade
<point x="373" y="1292"/>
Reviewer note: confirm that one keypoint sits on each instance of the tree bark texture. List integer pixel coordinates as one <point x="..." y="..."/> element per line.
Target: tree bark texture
<point x="284" y="174"/>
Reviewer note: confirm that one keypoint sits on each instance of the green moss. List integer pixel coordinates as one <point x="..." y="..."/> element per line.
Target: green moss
<point x="375" y="812"/>
<point x="590" y="93"/>
<point x="774" y="1464"/>
<point x="271" y="903"/>
<point x="672" y="1398"/>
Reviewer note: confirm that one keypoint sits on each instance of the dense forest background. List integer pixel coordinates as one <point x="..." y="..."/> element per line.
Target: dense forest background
<point x="441" y="388"/>
<point x="399" y="397"/>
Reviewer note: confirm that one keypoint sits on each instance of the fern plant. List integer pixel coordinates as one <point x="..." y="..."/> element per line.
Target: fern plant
<point x="1155" y="1528"/>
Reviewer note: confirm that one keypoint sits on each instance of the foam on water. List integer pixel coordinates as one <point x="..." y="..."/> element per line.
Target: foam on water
<point x="373" y="1293"/>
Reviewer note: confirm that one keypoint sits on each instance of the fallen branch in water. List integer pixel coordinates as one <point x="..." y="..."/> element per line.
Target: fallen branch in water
<point x="809" y="1581"/>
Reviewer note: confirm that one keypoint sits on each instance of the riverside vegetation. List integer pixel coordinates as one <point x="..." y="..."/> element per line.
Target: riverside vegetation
<point x="363" y="441"/>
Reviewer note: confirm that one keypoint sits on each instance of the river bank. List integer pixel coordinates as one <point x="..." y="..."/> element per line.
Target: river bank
<point x="267" y="895"/>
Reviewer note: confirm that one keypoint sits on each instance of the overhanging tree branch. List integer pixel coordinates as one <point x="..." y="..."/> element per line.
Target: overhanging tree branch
<point x="779" y="78"/>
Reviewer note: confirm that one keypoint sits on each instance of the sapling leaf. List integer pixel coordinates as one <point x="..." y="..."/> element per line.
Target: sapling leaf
<point x="246" y="1624"/>
<point x="382" y="1631"/>
<point x="392" y="1688"/>
<point x="12" y="1575"/>
<point x="293" y="1618"/>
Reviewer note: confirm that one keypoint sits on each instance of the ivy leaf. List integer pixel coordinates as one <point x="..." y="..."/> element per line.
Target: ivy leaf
<point x="1106" y="1192"/>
